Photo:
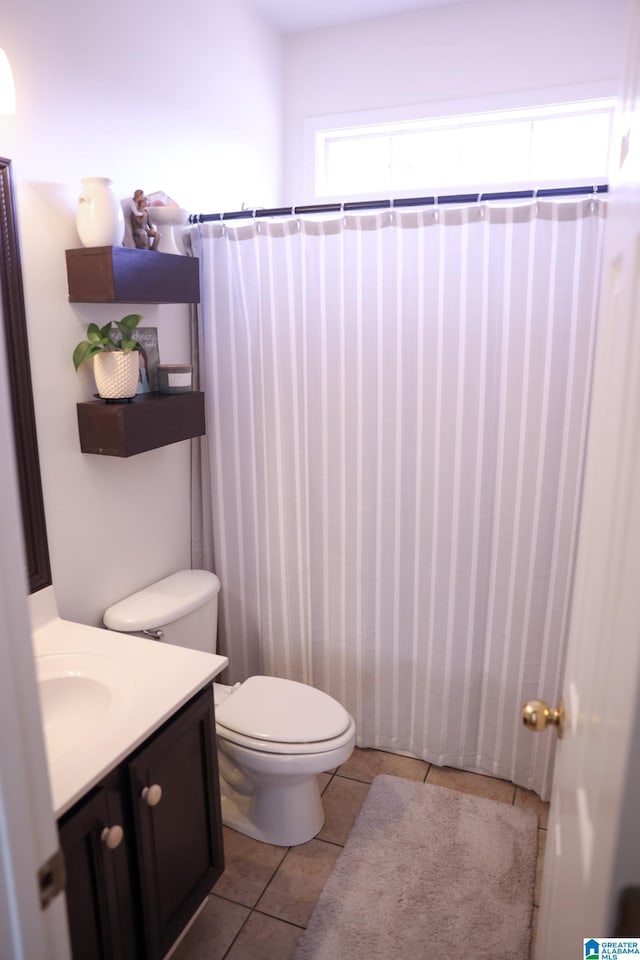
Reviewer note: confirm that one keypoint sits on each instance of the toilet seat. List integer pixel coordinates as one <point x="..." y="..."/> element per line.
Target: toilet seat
<point x="275" y="715"/>
<point x="287" y="750"/>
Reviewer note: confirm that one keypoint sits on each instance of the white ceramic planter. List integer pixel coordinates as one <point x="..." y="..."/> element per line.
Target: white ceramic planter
<point x="99" y="216"/>
<point x="116" y="374"/>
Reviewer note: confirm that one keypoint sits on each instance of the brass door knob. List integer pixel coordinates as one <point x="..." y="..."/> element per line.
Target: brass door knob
<point x="537" y="715"/>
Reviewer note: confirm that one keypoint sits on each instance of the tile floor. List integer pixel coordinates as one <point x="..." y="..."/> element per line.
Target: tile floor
<point x="264" y="899"/>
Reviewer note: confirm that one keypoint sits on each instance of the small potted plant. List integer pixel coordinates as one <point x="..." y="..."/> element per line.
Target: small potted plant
<point x="115" y="365"/>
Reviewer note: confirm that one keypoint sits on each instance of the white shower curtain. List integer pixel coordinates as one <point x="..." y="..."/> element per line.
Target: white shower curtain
<point x="397" y="406"/>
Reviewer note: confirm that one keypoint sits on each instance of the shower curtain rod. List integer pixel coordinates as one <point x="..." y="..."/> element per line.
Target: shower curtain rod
<point x="353" y="205"/>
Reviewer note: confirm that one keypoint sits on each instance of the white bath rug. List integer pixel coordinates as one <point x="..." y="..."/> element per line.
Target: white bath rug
<point x="428" y="872"/>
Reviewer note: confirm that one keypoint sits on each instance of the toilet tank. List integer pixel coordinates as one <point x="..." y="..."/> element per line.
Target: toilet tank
<point x="184" y="606"/>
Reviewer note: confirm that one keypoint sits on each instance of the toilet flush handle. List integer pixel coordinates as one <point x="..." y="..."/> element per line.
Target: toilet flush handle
<point x="152" y="795"/>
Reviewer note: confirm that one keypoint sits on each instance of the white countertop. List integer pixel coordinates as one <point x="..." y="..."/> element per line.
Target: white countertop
<point x="154" y="680"/>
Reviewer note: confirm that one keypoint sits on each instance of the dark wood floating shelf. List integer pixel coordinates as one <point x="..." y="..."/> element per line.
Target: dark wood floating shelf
<point x="150" y="421"/>
<point x="125" y="275"/>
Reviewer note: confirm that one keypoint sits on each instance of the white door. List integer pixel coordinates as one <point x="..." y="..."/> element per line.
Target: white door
<point x="593" y="843"/>
<point x="28" y="835"/>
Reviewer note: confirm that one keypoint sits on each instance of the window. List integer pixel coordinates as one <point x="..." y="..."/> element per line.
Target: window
<point x="563" y="143"/>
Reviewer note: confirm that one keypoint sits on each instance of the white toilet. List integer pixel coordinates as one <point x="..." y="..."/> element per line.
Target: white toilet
<point x="274" y="735"/>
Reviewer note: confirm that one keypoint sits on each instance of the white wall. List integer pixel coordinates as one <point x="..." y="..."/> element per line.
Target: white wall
<point x="492" y="52"/>
<point x="184" y="99"/>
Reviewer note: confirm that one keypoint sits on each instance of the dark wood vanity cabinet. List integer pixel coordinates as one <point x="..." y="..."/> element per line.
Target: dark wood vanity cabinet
<point x="134" y="900"/>
<point x="179" y="840"/>
<point x="99" y="891"/>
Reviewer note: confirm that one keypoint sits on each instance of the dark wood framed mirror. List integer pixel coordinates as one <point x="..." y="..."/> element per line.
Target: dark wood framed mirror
<point x="20" y="388"/>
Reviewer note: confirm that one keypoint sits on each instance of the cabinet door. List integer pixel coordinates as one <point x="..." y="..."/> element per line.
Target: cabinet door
<point x="98" y="880"/>
<point x="178" y="827"/>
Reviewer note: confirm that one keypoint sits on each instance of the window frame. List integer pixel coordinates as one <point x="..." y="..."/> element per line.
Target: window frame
<point x="566" y="101"/>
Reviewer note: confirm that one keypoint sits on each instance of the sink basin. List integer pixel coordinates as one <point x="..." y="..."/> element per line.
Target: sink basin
<point x="81" y="695"/>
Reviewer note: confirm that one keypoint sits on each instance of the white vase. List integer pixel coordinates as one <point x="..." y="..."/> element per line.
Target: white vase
<point x="99" y="217"/>
<point x="116" y="374"/>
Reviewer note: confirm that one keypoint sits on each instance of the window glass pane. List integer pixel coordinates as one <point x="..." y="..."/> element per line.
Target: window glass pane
<point x="358" y="164"/>
<point x="570" y="147"/>
<point x="423" y="158"/>
<point x="557" y="143"/>
<point x="496" y="153"/>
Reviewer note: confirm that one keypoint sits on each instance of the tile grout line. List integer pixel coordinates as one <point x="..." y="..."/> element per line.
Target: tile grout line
<point x="261" y="913"/>
<point x="256" y="907"/>
<point x="252" y="909"/>
<point x="238" y="932"/>
<point x="291" y="923"/>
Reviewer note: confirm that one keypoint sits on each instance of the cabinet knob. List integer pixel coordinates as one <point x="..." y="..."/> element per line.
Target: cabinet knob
<point x="152" y="795"/>
<point x="112" y="837"/>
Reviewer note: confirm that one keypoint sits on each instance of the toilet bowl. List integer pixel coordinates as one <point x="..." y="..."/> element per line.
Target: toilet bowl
<point x="274" y="735"/>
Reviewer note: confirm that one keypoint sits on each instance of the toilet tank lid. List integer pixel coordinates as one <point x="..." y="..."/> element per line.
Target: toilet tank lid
<point x="162" y="602"/>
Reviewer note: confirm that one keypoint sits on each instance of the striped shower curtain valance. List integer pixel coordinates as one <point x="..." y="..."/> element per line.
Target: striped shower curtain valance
<point x="397" y="405"/>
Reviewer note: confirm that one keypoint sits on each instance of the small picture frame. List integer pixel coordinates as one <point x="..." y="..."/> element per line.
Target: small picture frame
<point x="149" y="356"/>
